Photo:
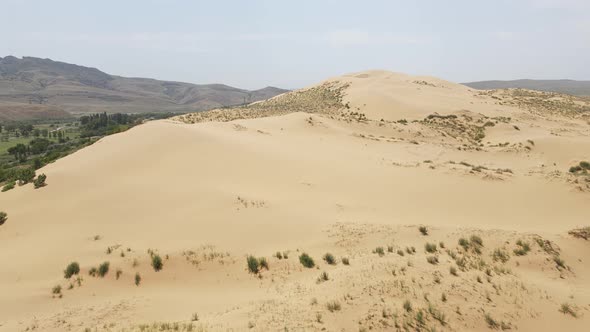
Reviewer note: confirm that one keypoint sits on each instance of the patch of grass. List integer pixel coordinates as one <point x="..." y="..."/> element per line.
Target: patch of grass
<point x="345" y="261"/>
<point x="56" y="290"/>
<point x="3" y="217"/>
<point x="72" y="269"/>
<point x="523" y="248"/>
<point x="157" y="262"/>
<point x="103" y="269"/>
<point x="306" y="260"/>
<point x="263" y="263"/>
<point x="253" y="265"/>
<point x="567" y="309"/>
<point x="279" y="255"/>
<point x="420" y="318"/>
<point x="379" y="251"/>
<point x="430" y="247"/>
<point x="476" y="240"/>
<point x="464" y="243"/>
<point x="9" y="186"/>
<point x="438" y="315"/>
<point x="423" y="230"/>
<point x="432" y="260"/>
<point x="323" y="277"/>
<point x="330" y="259"/>
<point x="137" y="279"/>
<point x="333" y="306"/>
<point x="407" y="306"/>
<point x="560" y="262"/>
<point x="389" y="248"/>
<point x="582" y="233"/>
<point x="500" y="255"/>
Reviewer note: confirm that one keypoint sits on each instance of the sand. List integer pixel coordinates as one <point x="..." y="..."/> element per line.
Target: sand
<point x="273" y="178"/>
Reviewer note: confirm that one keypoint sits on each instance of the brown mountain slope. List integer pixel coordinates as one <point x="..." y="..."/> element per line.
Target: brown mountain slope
<point x="78" y="89"/>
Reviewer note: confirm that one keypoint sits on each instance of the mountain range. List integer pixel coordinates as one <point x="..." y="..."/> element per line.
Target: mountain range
<point x="33" y="87"/>
<point x="570" y="87"/>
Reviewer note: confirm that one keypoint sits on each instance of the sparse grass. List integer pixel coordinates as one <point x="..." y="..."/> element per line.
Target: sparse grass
<point x="583" y="233"/>
<point x="430" y="247"/>
<point x="345" y="261"/>
<point x="195" y="317"/>
<point x="263" y="263"/>
<point x="432" y="260"/>
<point x="407" y="306"/>
<point x="93" y="271"/>
<point x="323" y="277"/>
<point x="279" y="255"/>
<point x="501" y="255"/>
<point x="137" y="279"/>
<point x="464" y="243"/>
<point x="560" y="262"/>
<point x="567" y="309"/>
<point x="306" y="260"/>
<point x="253" y="265"/>
<point x="423" y="230"/>
<point x="420" y="318"/>
<point x="103" y="269"/>
<point x="476" y="240"/>
<point x="389" y="248"/>
<point x="379" y="251"/>
<point x="157" y="262"/>
<point x="330" y="259"/>
<point x="438" y="315"/>
<point x="523" y="248"/>
<point x="333" y="306"/>
<point x="400" y="252"/>
<point x="72" y="269"/>
<point x="453" y="271"/>
<point x="492" y="323"/>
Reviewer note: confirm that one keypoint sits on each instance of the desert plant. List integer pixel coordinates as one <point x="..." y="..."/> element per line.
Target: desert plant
<point x="333" y="306"/>
<point x="523" y="248"/>
<point x="453" y="271"/>
<point x="407" y="305"/>
<point x="389" y="248"/>
<point x="195" y="317"/>
<point x="329" y="258"/>
<point x="500" y="255"/>
<point x="585" y="165"/>
<point x="253" y="265"/>
<point x="464" y="243"/>
<point x="279" y="255"/>
<point x="567" y="309"/>
<point x="560" y="262"/>
<point x="137" y="279"/>
<point x="263" y="263"/>
<point x="432" y="260"/>
<point x="443" y="297"/>
<point x="103" y="269"/>
<point x="420" y="318"/>
<point x="430" y="247"/>
<point x="400" y="252"/>
<point x="157" y="262"/>
<point x="40" y="181"/>
<point x="476" y="240"/>
<point x="9" y="186"/>
<point x="318" y="317"/>
<point x="93" y="271"/>
<point x="492" y="323"/>
<point x="379" y="251"/>
<point x="423" y="230"/>
<point x="345" y="261"/>
<point x="306" y="260"/>
<point x="323" y="277"/>
<point x="118" y="274"/>
<point x="72" y="269"/>
<point x="56" y="289"/>
<point x="3" y="217"/>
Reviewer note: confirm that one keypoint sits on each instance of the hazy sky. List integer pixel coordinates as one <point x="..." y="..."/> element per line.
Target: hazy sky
<point x="255" y="43"/>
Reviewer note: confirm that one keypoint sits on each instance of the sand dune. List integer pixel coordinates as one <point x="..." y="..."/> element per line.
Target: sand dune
<point x="331" y="168"/>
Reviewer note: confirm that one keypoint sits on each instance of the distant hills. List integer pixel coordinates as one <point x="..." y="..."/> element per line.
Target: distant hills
<point x="42" y="88"/>
<point x="576" y="88"/>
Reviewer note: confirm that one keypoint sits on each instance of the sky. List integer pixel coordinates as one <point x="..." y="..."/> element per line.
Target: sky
<point x="291" y="44"/>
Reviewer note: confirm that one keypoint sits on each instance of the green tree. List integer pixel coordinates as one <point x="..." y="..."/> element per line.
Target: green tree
<point x="40" y="181"/>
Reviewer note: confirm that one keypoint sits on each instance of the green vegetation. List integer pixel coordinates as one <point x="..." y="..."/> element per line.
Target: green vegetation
<point x="323" y="277"/>
<point x="333" y="306"/>
<point x="379" y="251"/>
<point x="567" y="309"/>
<point x="72" y="269"/>
<point x="522" y="249"/>
<point x="500" y="255"/>
<point x="40" y="181"/>
<point x="263" y="263"/>
<point x="430" y="247"/>
<point x="253" y="265"/>
<point x="3" y="217"/>
<point x="8" y="186"/>
<point x="103" y="269"/>
<point x="56" y="290"/>
<point x="423" y="230"/>
<point x="157" y="262"/>
<point x="407" y="306"/>
<point x="137" y="279"/>
<point x="329" y="258"/>
<point x="306" y="260"/>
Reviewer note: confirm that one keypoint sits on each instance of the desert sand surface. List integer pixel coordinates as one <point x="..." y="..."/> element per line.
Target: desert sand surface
<point x="353" y="166"/>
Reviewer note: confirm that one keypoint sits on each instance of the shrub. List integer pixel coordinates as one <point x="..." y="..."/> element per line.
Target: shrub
<point x="585" y="165"/>
<point x="379" y="251"/>
<point x="10" y="185"/>
<point x="389" y="248"/>
<point x="575" y="169"/>
<point x="423" y="230"/>
<point x="137" y="279"/>
<point x="329" y="258"/>
<point x="157" y="262"/>
<point x="475" y="239"/>
<point x="567" y="309"/>
<point x="118" y="274"/>
<point x="306" y="260"/>
<point x="323" y="277"/>
<point x="56" y="289"/>
<point x="560" y="262"/>
<point x="333" y="306"/>
<point x="500" y="255"/>
<point x="92" y="272"/>
<point x="441" y="245"/>
<point x="453" y="271"/>
<point x="464" y="243"/>
<point x="40" y="181"/>
<point x="430" y="247"/>
<point x="523" y="248"/>
<point x="407" y="306"/>
<point x="400" y="252"/>
<point x="279" y="255"/>
<point x="103" y="269"/>
<point x="285" y="254"/>
<point x="420" y="318"/>
<point x="345" y="261"/>
<point x="3" y="217"/>
<point x="263" y="263"/>
<point x="253" y="265"/>
<point x="492" y="323"/>
<point x="72" y="269"/>
<point x="443" y="297"/>
<point x="432" y="260"/>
